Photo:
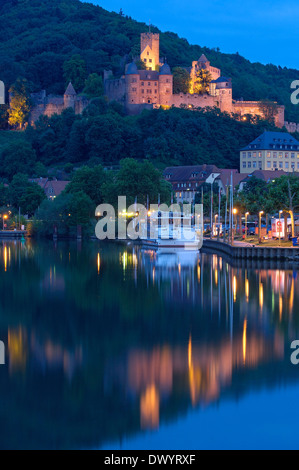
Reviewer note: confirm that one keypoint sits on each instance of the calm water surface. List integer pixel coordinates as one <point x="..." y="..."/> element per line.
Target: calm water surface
<point x="115" y="347"/>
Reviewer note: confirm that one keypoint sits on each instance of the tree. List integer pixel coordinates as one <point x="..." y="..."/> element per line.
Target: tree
<point x="181" y="80"/>
<point x="90" y="181"/>
<point x="139" y="180"/>
<point x="74" y="71"/>
<point x="94" y="86"/>
<point x="18" y="157"/>
<point x="20" y="103"/>
<point x="28" y="196"/>
<point x="284" y="195"/>
<point x="202" y="82"/>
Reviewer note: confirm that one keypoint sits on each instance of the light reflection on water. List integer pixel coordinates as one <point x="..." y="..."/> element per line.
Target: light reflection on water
<point x="106" y="342"/>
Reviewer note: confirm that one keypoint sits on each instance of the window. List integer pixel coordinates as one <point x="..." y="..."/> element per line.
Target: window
<point x="150" y="61"/>
<point x="287" y="165"/>
<point x="142" y="91"/>
<point x="280" y="154"/>
<point x="260" y="154"/>
<point x="156" y="83"/>
<point x="244" y="155"/>
<point x="292" y="155"/>
<point x="249" y="164"/>
<point x="249" y="154"/>
<point x="134" y="90"/>
<point x="286" y="155"/>
<point x="156" y="92"/>
<point x="142" y="83"/>
<point x="254" y="164"/>
<point x="269" y="154"/>
<point x="244" y="165"/>
<point x="268" y="164"/>
<point x="260" y="165"/>
<point x="145" y="60"/>
<point x="149" y="83"/>
<point x="274" y="164"/>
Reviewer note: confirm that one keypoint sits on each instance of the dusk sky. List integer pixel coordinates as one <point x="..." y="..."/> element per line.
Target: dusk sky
<point x="261" y="30"/>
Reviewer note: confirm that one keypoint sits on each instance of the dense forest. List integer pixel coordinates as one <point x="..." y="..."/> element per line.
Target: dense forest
<point x="42" y="42"/>
<point x="104" y="135"/>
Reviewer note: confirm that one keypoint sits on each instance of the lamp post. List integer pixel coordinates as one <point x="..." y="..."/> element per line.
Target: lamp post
<point x="235" y="212"/>
<point x="260" y="226"/>
<point x="280" y="227"/>
<point x="246" y="224"/>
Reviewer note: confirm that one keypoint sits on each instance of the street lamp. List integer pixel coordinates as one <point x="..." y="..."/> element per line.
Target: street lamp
<point x="280" y="227"/>
<point x="235" y="212"/>
<point x="260" y="226"/>
<point x="246" y="224"/>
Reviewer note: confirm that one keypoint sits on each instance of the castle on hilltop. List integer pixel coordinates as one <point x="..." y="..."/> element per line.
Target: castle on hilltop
<point x="153" y="87"/>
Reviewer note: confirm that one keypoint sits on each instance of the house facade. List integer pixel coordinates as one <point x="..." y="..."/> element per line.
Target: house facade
<point x="272" y="151"/>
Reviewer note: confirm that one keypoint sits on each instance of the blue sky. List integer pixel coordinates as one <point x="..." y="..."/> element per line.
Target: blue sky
<point x="261" y="30"/>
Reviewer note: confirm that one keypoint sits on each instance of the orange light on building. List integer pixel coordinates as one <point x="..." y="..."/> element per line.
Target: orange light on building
<point x="247" y="290"/>
<point x="235" y="288"/>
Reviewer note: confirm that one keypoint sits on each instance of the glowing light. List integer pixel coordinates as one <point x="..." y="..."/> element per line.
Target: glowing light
<point x="5" y="258"/>
<point x="261" y="295"/>
<point x="280" y="307"/>
<point x="150" y="408"/>
<point x="235" y="288"/>
<point x="244" y="340"/>
<point x="99" y="263"/>
<point x="247" y="290"/>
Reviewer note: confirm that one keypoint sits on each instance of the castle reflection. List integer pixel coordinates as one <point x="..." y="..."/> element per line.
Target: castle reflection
<point x="119" y="339"/>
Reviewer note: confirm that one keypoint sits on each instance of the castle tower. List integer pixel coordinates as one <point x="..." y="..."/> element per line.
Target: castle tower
<point x="222" y="89"/>
<point x="150" y="50"/>
<point x="165" y="86"/>
<point x="132" y="85"/>
<point x="70" y="97"/>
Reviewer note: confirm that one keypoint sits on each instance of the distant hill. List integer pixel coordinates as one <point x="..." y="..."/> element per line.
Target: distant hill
<point x="38" y="36"/>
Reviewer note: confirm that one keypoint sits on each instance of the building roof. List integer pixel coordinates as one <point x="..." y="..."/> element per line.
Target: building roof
<point x="70" y="90"/>
<point x="273" y="141"/>
<point x="52" y="188"/>
<point x="185" y="173"/>
<point x="165" y="70"/>
<point x="132" y="69"/>
<point x="266" y="175"/>
<point x="203" y="59"/>
<point x="148" y="75"/>
<point x="222" y="80"/>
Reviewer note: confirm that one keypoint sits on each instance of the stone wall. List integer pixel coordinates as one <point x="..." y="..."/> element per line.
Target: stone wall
<point x="115" y="90"/>
<point x="196" y="101"/>
<point x="253" y="107"/>
<point x="291" y="127"/>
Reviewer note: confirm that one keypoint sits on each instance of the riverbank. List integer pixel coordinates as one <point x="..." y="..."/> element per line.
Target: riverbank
<point x="245" y="251"/>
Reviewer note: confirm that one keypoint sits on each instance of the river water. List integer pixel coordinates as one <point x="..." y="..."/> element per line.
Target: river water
<point x="115" y="347"/>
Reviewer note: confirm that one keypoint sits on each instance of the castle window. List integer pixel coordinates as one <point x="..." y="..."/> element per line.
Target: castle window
<point x="134" y="90"/>
<point x="142" y="91"/>
<point x="134" y="80"/>
<point x="142" y="83"/>
<point x="145" y="60"/>
<point x="150" y="61"/>
<point x="149" y="83"/>
<point x="156" y="92"/>
<point x="148" y="53"/>
<point x="167" y="80"/>
<point x="167" y="91"/>
<point x="156" y="83"/>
